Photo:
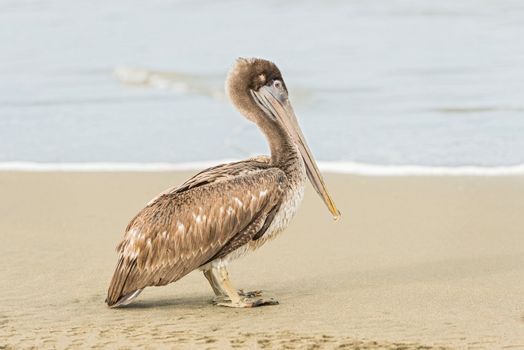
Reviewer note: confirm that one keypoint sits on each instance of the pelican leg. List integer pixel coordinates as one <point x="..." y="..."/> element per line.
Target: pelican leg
<point x="220" y="293"/>
<point x="212" y="279"/>
<point x="234" y="299"/>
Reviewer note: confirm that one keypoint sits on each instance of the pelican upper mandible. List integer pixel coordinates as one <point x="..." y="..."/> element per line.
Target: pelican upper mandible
<point x="224" y="211"/>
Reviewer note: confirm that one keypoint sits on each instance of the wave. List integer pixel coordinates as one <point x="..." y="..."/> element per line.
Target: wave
<point x="328" y="167"/>
<point x="170" y="80"/>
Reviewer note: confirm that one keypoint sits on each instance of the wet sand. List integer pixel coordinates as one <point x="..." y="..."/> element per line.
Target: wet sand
<point x="415" y="263"/>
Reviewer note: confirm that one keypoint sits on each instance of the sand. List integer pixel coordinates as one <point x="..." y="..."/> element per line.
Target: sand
<point x="415" y="263"/>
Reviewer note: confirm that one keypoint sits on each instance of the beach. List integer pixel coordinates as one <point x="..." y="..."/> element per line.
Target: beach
<point x="416" y="262"/>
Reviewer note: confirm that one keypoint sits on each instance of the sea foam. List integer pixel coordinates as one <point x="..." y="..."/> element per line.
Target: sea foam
<point x="328" y="167"/>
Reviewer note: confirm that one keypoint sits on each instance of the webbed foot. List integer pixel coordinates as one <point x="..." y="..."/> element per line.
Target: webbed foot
<point x="248" y="302"/>
<point x="249" y="294"/>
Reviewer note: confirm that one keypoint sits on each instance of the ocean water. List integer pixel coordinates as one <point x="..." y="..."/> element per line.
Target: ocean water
<point x="376" y="84"/>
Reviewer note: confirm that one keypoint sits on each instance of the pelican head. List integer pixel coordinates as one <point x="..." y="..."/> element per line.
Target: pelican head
<point x="256" y="87"/>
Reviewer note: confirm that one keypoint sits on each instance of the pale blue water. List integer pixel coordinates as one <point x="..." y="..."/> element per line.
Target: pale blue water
<point x="437" y="83"/>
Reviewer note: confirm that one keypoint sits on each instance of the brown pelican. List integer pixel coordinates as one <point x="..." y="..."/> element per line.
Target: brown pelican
<point x="224" y="211"/>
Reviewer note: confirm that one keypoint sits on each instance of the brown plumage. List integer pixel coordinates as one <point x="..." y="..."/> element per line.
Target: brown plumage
<point x="183" y="229"/>
<point x="220" y="212"/>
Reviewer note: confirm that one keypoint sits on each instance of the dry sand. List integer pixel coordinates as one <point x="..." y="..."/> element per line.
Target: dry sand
<point x="415" y="262"/>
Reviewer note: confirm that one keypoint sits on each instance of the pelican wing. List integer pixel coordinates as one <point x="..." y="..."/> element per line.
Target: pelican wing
<point x="183" y="229"/>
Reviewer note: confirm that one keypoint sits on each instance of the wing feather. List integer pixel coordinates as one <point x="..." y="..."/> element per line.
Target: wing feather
<point x="181" y="230"/>
<point x="224" y="172"/>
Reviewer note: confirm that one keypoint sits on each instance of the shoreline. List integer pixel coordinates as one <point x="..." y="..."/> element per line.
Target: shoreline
<point x="348" y="168"/>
